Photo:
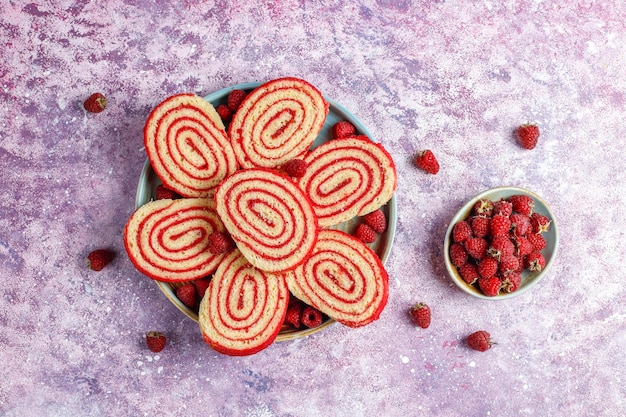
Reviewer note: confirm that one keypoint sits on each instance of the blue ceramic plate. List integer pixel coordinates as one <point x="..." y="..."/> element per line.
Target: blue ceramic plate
<point x="149" y="181"/>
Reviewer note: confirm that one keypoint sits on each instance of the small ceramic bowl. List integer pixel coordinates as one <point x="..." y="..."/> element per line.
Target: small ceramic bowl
<point x="529" y="278"/>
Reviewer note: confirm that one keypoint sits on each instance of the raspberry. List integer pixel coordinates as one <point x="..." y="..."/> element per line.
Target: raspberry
<point x="461" y="231"/>
<point x="480" y="341"/>
<point x="365" y="233"/>
<point x="522" y="246"/>
<point x="420" y="314"/>
<point x="537" y="240"/>
<point x="501" y="248"/>
<point x="164" y="193"/>
<point x="487" y="267"/>
<point x="95" y="103"/>
<point x="376" y="220"/>
<point x="294" y="312"/>
<point x="528" y="135"/>
<point x="311" y="317"/>
<point x="490" y="286"/>
<point x="201" y="285"/>
<point x="235" y="98"/>
<point x="535" y="261"/>
<point x="540" y="223"/>
<point x="511" y="282"/>
<point x="520" y="224"/>
<point x="522" y="204"/>
<point x="469" y="273"/>
<point x="343" y="129"/>
<point x="503" y="208"/>
<point x="508" y="265"/>
<point x="187" y="295"/>
<point x="156" y="341"/>
<point x="500" y="225"/>
<point x="99" y="258"/>
<point x="219" y="242"/>
<point x="224" y="112"/>
<point x="427" y="161"/>
<point x="476" y="247"/>
<point x="295" y="168"/>
<point x="483" y="207"/>
<point x="458" y="254"/>
<point x="480" y="226"/>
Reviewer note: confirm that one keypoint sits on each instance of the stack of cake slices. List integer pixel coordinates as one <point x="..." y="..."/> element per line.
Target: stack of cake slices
<point x="232" y="182"/>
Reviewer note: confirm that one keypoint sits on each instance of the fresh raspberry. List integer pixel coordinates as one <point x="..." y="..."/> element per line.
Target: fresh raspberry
<point x="201" y="285"/>
<point x="487" y="267"/>
<point x="420" y="314"/>
<point x="234" y="99"/>
<point x="458" y="254"/>
<point x="294" y="312"/>
<point x="343" y="129"/>
<point x="469" y="273"/>
<point x="164" y="193"/>
<point x="427" y="161"/>
<point x="480" y="341"/>
<point x="376" y="220"/>
<point x="476" y="247"/>
<point x="535" y="261"/>
<point x="220" y="242"/>
<point x="156" y="341"/>
<point x="480" y="226"/>
<point x="511" y="282"/>
<point x="528" y="135"/>
<point x="500" y="225"/>
<point x="540" y="223"/>
<point x="522" y="204"/>
<point x="520" y="224"/>
<point x="365" y="233"/>
<point x="503" y="208"/>
<point x="522" y="246"/>
<point x="295" y="168"/>
<point x="490" y="286"/>
<point x="187" y="295"/>
<point x="537" y="240"/>
<point x="311" y="317"/>
<point x="501" y="247"/>
<point x="95" y="103"/>
<point x="483" y="207"/>
<point x="224" y="112"/>
<point x="461" y="231"/>
<point x="508" y="265"/>
<point x="99" y="258"/>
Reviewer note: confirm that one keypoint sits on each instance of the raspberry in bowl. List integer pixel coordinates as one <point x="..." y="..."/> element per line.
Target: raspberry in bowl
<point x="501" y="243"/>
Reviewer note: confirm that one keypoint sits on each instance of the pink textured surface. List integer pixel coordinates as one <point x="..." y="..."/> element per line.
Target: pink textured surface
<point x="454" y="77"/>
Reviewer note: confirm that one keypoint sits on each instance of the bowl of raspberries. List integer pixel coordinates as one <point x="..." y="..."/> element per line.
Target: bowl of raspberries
<point x="501" y="243"/>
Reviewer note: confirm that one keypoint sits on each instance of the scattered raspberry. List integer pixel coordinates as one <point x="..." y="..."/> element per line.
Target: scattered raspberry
<point x="427" y="161"/>
<point x="95" y="103"/>
<point x="520" y="224"/>
<point x="469" y="273"/>
<point x="535" y="261"/>
<point x="99" y="258"/>
<point x="156" y="341"/>
<point x="480" y="226"/>
<point x="187" y="295"/>
<point x="487" y="267"/>
<point x="311" y="317"/>
<point x="294" y="312"/>
<point x="511" y="282"/>
<point x="376" y="220"/>
<point x="522" y="204"/>
<point x="224" y="112"/>
<point x="476" y="247"/>
<point x="483" y="207"/>
<point x="461" y="231"/>
<point x="420" y="314"/>
<point x="500" y="225"/>
<point x="537" y="240"/>
<point x="503" y="208"/>
<point x="164" y="193"/>
<point x="220" y="242"/>
<point x="201" y="285"/>
<point x="540" y="223"/>
<point x="365" y="233"/>
<point x="235" y="98"/>
<point x="528" y="135"/>
<point x="458" y="254"/>
<point x="295" y="168"/>
<point x="490" y="286"/>
<point x="343" y="129"/>
<point x="480" y="340"/>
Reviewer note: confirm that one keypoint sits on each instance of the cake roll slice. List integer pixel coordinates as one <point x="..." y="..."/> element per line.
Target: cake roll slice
<point x="187" y="145"/>
<point x="278" y="121"/>
<point x="167" y="240"/>
<point x="342" y="278"/>
<point x="243" y="308"/>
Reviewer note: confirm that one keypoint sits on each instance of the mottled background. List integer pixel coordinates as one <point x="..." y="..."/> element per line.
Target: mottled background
<point x="453" y="76"/>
